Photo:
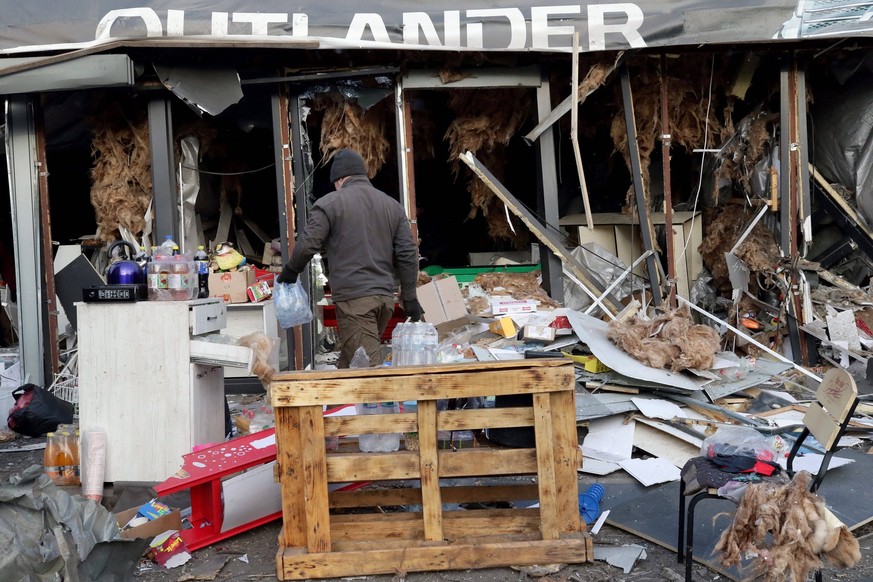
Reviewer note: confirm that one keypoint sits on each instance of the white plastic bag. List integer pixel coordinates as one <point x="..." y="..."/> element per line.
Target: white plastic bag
<point x="292" y="304"/>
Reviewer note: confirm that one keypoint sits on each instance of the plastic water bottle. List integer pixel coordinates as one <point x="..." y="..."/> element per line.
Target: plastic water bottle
<point x="167" y="245"/>
<point x="397" y="355"/>
<point x="367" y="442"/>
<point x="430" y="343"/>
<point x="416" y="344"/>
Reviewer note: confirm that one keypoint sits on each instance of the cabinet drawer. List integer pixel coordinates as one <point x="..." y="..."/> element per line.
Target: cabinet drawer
<point x="208" y="317"/>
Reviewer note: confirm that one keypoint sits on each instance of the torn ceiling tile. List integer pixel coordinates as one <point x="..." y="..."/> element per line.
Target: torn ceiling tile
<point x="209" y="90"/>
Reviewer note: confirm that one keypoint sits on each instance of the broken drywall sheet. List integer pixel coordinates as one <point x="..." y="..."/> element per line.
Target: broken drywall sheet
<point x="651" y="471"/>
<point x="593" y="332"/>
<point x="609" y="439"/>
<point x="597" y="467"/>
<point x="812" y="461"/>
<point x="842" y="328"/>
<point x="624" y="557"/>
<point x="657" y="408"/>
<point x="663" y="445"/>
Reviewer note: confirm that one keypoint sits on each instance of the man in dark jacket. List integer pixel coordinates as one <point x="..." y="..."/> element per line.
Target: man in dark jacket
<point x="363" y="232"/>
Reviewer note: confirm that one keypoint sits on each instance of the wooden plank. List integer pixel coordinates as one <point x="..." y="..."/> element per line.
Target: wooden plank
<point x="345" y="546"/>
<point x="474" y="463"/>
<point x="314" y="479"/>
<point x="370" y="424"/>
<point x="568" y="460"/>
<point x="434" y="558"/>
<point x="289" y="461"/>
<point x="446" y="420"/>
<point x="432" y="506"/>
<point x="545" y="455"/>
<point x="429" y="383"/>
<point x="412" y="495"/>
<point x="345" y="467"/>
<point x="377" y="527"/>
<point x="485" y="418"/>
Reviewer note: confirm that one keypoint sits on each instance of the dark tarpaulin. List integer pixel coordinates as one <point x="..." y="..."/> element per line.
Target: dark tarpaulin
<point x="454" y="25"/>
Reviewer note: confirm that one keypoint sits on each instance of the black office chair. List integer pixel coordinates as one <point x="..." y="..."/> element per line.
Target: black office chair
<point x="827" y="419"/>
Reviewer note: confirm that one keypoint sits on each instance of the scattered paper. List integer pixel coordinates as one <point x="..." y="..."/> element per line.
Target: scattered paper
<point x="651" y="471"/>
<point x="595" y="529"/>
<point x="624" y="557"/>
<point x="657" y="408"/>
<point x="812" y="462"/>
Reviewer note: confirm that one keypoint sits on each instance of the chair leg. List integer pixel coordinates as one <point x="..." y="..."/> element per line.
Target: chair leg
<point x="689" y="528"/>
<point x="680" y="544"/>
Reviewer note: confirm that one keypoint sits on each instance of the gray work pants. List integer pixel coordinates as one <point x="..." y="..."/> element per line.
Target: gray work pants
<point x="361" y="322"/>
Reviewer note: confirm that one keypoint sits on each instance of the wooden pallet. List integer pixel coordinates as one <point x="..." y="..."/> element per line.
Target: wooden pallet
<point x="316" y="542"/>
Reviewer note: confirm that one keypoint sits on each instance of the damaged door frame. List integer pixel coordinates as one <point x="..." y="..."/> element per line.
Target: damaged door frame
<point x="547" y="183"/>
<point x="21" y="144"/>
<point x="794" y="191"/>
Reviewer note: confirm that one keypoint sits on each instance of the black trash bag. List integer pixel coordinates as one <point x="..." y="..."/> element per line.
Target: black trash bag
<point x="37" y="411"/>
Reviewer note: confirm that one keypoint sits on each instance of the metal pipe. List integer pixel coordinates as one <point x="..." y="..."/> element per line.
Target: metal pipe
<point x="668" y="191"/>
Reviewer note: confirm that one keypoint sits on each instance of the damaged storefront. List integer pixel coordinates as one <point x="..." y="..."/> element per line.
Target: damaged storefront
<point x="675" y="197"/>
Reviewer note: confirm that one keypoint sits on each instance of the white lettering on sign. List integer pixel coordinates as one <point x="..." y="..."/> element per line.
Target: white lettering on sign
<point x="609" y="26"/>
<point x="361" y="22"/>
<point x="598" y="29"/>
<point x="539" y="24"/>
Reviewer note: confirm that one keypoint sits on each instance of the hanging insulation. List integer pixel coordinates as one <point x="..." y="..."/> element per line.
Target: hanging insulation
<point x="687" y="110"/>
<point x="347" y="125"/>
<point x="759" y="251"/>
<point x="670" y="340"/>
<point x="485" y="122"/>
<point x="790" y="531"/>
<point x="121" y="181"/>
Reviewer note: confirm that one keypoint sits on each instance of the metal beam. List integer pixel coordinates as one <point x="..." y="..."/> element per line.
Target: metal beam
<point x="163" y="169"/>
<point x="21" y="155"/>
<point x="475" y="79"/>
<point x="83" y="73"/>
<point x="547" y="193"/>
<point x="637" y="175"/>
<point x="302" y="187"/>
<point x="549" y="238"/>
<point x="791" y="204"/>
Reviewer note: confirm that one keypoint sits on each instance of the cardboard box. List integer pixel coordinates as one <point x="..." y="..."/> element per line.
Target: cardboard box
<point x="171" y="521"/>
<point x="539" y="333"/>
<point x="504" y="327"/>
<point x="442" y="301"/>
<point x="508" y="306"/>
<point x="231" y="285"/>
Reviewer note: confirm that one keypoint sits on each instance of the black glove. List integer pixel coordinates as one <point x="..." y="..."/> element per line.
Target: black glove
<point x="413" y="309"/>
<point x="287" y="275"/>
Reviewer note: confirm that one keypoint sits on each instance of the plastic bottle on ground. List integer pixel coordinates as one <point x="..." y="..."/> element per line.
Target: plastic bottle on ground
<point x="93" y="463"/>
<point x="367" y="443"/>
<point x="50" y="457"/>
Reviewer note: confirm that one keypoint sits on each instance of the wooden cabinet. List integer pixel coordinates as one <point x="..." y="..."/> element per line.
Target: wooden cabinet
<point x="138" y="383"/>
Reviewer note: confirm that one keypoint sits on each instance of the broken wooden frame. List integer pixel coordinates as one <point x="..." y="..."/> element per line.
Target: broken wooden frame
<point x="540" y="230"/>
<point x="574" y="132"/>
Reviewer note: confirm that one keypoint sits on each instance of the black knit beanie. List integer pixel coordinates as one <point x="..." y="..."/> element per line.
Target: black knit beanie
<point x="347" y="163"/>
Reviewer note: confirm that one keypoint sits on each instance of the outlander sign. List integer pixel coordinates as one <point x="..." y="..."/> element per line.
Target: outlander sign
<point x="39" y="25"/>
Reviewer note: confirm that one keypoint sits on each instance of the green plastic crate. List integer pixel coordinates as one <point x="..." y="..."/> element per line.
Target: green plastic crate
<point x="465" y="275"/>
